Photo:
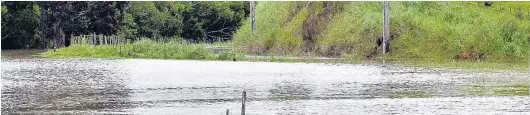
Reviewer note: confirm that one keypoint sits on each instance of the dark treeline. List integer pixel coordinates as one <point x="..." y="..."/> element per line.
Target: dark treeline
<point x="190" y="20"/>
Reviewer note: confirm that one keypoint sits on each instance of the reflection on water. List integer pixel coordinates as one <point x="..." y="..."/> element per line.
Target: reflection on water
<point x="139" y="86"/>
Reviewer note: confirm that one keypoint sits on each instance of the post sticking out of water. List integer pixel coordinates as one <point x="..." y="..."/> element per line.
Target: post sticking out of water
<point x="243" y="103"/>
<point x="227" y="112"/>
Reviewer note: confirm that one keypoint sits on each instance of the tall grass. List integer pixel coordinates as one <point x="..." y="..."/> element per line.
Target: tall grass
<point x="275" y="30"/>
<point x="146" y="49"/>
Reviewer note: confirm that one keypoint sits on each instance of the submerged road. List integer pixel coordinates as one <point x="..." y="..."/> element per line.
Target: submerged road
<point x="142" y="86"/>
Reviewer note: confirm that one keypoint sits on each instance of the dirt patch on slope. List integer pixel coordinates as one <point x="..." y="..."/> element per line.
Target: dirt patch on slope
<point x="316" y="22"/>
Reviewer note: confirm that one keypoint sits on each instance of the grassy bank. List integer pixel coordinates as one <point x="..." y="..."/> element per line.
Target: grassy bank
<point x="145" y="49"/>
<point x="434" y="30"/>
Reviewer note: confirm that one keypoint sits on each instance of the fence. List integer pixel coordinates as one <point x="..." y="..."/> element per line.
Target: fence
<point x="100" y="40"/>
<point x="121" y="44"/>
<point x="517" y="11"/>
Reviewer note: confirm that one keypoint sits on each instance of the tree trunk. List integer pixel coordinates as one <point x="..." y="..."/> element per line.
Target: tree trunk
<point x="59" y="35"/>
<point x="42" y="30"/>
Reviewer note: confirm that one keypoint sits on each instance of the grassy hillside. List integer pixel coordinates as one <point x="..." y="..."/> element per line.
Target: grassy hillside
<point x="439" y="30"/>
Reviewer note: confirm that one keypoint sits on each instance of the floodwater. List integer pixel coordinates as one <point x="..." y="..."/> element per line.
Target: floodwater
<point x="32" y="85"/>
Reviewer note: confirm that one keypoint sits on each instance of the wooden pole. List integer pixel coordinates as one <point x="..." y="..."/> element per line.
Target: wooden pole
<point x="98" y="39"/>
<point x="93" y="39"/>
<point x="227" y="112"/>
<point x="243" y="102"/>
<point x="119" y="46"/>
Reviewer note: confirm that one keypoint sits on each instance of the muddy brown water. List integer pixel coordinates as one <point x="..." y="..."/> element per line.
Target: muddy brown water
<point x="33" y="85"/>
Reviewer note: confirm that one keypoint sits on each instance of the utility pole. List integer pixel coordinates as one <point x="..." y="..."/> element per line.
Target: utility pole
<point x="252" y="4"/>
<point x="386" y="25"/>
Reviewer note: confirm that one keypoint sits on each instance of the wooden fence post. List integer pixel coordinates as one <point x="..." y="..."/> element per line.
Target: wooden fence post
<point x="87" y="38"/>
<point x="100" y="39"/>
<point x="119" y="45"/>
<point x="243" y="102"/>
<point x="72" y="40"/>
<point x="94" y="38"/>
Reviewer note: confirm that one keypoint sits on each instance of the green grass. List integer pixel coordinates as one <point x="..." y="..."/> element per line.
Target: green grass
<point x="145" y="49"/>
<point x="434" y="30"/>
<point x="471" y="65"/>
<point x="496" y="90"/>
<point x="84" y="51"/>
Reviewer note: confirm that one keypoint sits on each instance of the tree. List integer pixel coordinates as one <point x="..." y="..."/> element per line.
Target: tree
<point x="207" y="21"/>
<point x="195" y="21"/>
<point x="104" y="16"/>
<point x="59" y="20"/>
<point x="68" y="18"/>
<point x="19" y="25"/>
<point x="145" y="16"/>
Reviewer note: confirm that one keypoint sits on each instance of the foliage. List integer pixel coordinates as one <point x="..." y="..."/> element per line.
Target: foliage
<point x="194" y="21"/>
<point x="19" y="25"/>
